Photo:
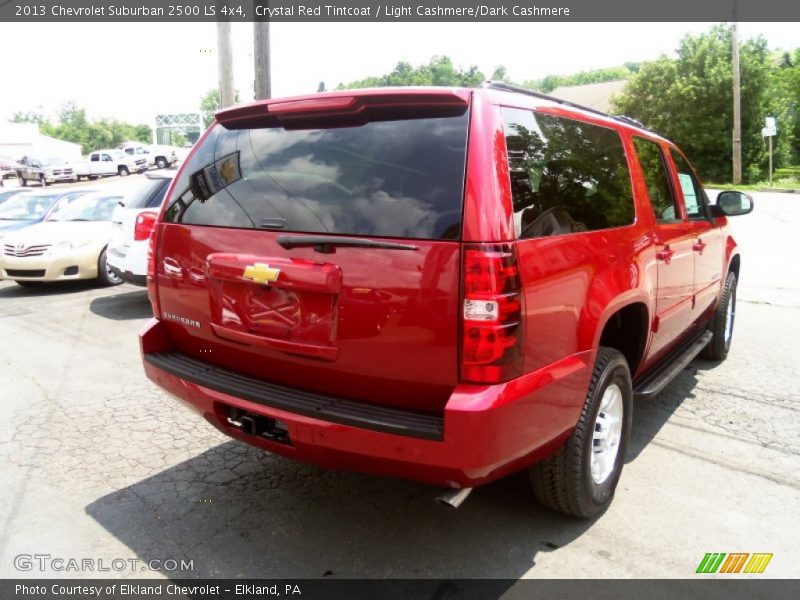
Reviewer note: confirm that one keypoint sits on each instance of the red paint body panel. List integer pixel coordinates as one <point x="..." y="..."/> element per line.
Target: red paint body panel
<point x="490" y="431"/>
<point x="384" y="327"/>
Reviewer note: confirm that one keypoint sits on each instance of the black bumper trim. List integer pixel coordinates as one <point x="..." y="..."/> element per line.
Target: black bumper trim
<point x="327" y="408"/>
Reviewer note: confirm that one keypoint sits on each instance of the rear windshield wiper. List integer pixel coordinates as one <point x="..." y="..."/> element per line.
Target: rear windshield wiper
<point x="327" y="243"/>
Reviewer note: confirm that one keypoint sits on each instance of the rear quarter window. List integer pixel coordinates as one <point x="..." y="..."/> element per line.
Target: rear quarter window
<point x="567" y="176"/>
<point x="400" y="178"/>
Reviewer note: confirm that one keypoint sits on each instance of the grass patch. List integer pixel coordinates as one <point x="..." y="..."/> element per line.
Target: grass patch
<point x="785" y="178"/>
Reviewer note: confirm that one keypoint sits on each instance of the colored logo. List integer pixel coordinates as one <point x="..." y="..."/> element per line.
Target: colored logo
<point x="261" y="273"/>
<point x="737" y="562"/>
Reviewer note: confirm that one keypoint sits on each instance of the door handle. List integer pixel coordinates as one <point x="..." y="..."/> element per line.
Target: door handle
<point x="699" y="246"/>
<point x="665" y="254"/>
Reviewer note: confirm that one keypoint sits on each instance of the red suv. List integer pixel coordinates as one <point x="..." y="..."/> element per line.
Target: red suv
<point x="446" y="285"/>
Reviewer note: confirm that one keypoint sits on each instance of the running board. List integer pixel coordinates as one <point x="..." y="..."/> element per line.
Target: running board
<point x="671" y="366"/>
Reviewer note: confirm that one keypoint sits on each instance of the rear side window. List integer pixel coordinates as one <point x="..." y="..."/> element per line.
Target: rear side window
<point x="148" y="195"/>
<point x="566" y="176"/>
<point x="401" y="178"/>
<point x="651" y="160"/>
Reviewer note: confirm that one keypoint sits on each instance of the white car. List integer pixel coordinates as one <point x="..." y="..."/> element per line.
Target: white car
<point x="134" y="220"/>
<point x="157" y="156"/>
<point x="109" y="162"/>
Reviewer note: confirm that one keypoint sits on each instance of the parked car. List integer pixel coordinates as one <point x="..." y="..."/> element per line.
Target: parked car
<point x="446" y="285"/>
<point x="24" y="210"/>
<point x="69" y="244"/>
<point x="45" y="171"/>
<point x="157" y="156"/>
<point x="103" y="163"/>
<point x="134" y="220"/>
<point x="7" y="194"/>
<point x="8" y="168"/>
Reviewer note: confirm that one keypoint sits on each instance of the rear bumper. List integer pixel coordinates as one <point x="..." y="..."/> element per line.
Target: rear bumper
<point x="129" y="261"/>
<point x="487" y="431"/>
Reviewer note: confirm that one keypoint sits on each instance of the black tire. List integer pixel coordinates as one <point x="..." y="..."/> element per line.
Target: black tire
<point x="123" y="171"/>
<point x="104" y="275"/>
<point x="42" y="181"/>
<point x="22" y="181"/>
<point x="563" y="482"/>
<point x="717" y="349"/>
<point x="92" y="177"/>
<point x="161" y="163"/>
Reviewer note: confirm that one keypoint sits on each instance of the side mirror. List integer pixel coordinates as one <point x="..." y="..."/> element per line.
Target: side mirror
<point x="733" y="204"/>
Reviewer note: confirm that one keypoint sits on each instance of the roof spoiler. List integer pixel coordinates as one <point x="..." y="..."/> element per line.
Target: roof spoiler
<point x="369" y="104"/>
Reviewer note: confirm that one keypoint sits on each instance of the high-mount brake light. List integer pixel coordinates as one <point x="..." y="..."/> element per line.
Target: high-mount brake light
<point x="492" y="335"/>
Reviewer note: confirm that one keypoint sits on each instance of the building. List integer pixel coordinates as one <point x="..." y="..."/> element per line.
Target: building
<point x="24" y="139"/>
<point x="594" y="95"/>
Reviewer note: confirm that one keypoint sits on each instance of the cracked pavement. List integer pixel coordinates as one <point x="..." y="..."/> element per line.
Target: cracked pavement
<point x="96" y="462"/>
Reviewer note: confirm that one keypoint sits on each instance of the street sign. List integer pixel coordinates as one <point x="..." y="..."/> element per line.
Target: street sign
<point x="770" y="122"/>
<point x="769" y="131"/>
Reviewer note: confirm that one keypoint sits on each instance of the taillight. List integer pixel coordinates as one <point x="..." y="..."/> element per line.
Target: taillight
<point x="491" y="345"/>
<point x="144" y="225"/>
<point x="152" y="291"/>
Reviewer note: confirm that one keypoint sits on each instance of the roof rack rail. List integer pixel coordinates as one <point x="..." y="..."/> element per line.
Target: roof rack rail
<point x="508" y="87"/>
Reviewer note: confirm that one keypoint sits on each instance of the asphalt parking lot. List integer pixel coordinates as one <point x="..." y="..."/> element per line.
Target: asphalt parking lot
<point x="97" y="463"/>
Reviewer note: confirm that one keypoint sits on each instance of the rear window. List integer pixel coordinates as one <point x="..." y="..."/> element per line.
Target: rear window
<point x="566" y="175"/>
<point x="148" y="194"/>
<point x="399" y="178"/>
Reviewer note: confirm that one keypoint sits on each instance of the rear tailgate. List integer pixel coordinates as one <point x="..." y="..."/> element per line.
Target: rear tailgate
<point x="368" y="312"/>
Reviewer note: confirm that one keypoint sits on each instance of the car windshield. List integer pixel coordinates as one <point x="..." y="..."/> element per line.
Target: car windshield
<point x="6" y="195"/>
<point x="26" y="207"/>
<point x="91" y="207"/>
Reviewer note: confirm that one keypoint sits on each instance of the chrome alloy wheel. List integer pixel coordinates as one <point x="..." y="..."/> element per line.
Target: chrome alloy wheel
<point x="112" y="276"/>
<point x="607" y="433"/>
<point x="729" y="314"/>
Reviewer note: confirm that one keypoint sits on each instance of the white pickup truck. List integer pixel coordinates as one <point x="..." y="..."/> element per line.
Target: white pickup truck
<point x="109" y="162"/>
<point x="157" y="156"/>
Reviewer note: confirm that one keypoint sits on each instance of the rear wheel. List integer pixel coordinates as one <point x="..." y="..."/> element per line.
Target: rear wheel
<point x="580" y="478"/>
<point x="721" y="324"/>
<point x="104" y="273"/>
<point x="123" y="172"/>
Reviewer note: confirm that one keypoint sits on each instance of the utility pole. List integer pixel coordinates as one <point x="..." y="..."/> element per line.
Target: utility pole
<point x="737" y="117"/>
<point x="261" y="60"/>
<point x="225" y="64"/>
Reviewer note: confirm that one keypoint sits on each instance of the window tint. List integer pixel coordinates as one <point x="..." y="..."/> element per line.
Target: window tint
<point x="144" y="195"/>
<point x="693" y="194"/>
<point x="657" y="180"/>
<point x="400" y="178"/>
<point x="566" y="176"/>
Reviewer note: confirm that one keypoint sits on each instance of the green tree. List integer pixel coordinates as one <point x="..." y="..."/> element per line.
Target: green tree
<point x="551" y="82"/>
<point x="211" y="103"/>
<point x="440" y="71"/>
<point x="690" y="100"/>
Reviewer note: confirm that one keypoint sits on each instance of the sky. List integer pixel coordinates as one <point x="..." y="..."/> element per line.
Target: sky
<point x="133" y="71"/>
